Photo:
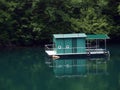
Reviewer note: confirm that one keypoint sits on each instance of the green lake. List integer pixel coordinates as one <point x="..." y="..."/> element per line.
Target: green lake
<point x="30" y="69"/>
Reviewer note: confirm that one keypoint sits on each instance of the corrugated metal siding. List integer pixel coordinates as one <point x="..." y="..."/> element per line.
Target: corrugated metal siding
<point x="60" y="45"/>
<point x="74" y="45"/>
<point x="68" y="45"/>
<point x="81" y="45"/>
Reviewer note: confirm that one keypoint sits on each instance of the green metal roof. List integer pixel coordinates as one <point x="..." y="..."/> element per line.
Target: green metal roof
<point x="78" y="35"/>
<point x="98" y="36"/>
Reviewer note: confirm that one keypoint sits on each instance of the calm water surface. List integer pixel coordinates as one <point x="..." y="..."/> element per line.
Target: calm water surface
<point x="30" y="69"/>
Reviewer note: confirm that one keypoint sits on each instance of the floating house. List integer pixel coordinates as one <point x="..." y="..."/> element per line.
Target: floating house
<point x="77" y="44"/>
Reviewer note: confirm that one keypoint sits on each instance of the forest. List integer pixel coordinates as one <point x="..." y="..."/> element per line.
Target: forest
<point x="32" y="22"/>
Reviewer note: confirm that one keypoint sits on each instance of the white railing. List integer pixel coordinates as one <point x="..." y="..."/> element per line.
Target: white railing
<point x="74" y="49"/>
<point x="52" y="47"/>
<point x="49" y="47"/>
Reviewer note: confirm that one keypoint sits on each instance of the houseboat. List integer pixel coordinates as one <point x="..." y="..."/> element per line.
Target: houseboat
<point x="77" y="44"/>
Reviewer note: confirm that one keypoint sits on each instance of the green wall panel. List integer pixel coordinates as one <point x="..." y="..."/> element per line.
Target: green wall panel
<point x="81" y="45"/>
<point x="74" y="45"/>
<point x="60" y="45"/>
<point x="68" y="45"/>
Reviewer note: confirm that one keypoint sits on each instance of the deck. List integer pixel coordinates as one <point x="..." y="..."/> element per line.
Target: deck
<point x="88" y="52"/>
<point x="52" y="51"/>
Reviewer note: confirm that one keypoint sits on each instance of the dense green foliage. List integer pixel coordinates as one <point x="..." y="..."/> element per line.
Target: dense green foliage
<point x="28" y="22"/>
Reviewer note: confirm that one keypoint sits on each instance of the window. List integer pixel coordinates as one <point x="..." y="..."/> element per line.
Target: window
<point x="59" y="47"/>
<point x="67" y="46"/>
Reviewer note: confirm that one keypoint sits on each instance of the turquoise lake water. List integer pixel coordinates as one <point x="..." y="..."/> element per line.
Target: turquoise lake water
<point x="30" y="69"/>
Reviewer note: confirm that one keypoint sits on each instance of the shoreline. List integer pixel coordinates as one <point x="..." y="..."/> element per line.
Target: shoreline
<point x="109" y="42"/>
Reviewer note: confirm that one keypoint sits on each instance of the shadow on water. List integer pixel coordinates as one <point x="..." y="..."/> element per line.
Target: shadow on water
<point x="75" y="66"/>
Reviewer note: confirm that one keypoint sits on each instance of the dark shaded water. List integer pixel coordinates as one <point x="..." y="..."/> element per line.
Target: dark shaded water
<point x="30" y="69"/>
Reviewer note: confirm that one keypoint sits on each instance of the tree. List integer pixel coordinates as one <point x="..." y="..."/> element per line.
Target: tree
<point x="29" y="22"/>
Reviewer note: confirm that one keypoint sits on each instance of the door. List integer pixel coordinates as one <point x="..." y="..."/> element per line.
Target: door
<point x="74" y="45"/>
<point x="60" y="46"/>
<point x="68" y="45"/>
<point x="81" y="45"/>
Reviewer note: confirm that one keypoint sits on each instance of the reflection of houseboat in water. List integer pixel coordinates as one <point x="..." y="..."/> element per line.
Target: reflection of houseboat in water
<point x="77" y="44"/>
<point x="76" y="67"/>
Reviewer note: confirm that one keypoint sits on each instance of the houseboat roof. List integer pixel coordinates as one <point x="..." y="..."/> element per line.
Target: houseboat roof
<point x="98" y="36"/>
<point x="83" y="35"/>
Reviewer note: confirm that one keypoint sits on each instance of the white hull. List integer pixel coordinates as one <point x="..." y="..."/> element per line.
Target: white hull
<point x="95" y="52"/>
